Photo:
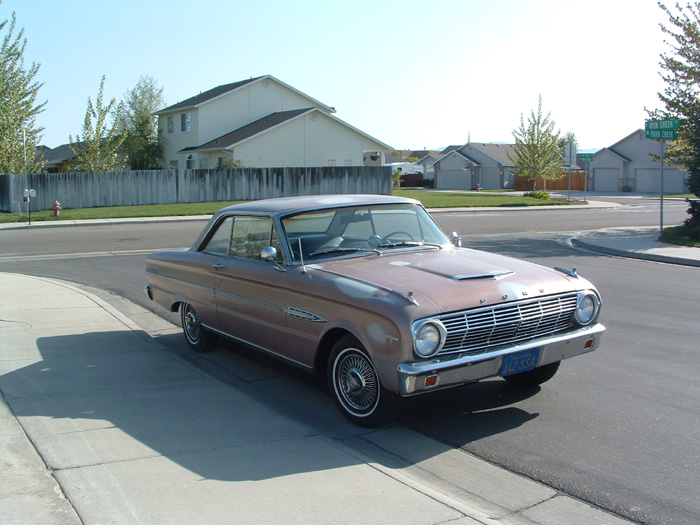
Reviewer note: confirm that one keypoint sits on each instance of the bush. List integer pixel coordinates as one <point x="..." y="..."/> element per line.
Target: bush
<point x="542" y="195"/>
<point x="691" y="226"/>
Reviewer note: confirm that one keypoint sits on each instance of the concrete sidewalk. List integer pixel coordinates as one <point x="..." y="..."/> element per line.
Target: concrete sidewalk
<point x="637" y="243"/>
<point x="103" y="418"/>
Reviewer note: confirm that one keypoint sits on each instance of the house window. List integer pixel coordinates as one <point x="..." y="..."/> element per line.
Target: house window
<point x="332" y="162"/>
<point x="173" y="164"/>
<point x="204" y="164"/>
<point x="219" y="162"/>
<point x="171" y="124"/>
<point x="189" y="164"/>
<point x="348" y="162"/>
<point x="186" y="122"/>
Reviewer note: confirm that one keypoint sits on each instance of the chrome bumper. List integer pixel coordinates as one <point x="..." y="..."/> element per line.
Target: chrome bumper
<point x="459" y="369"/>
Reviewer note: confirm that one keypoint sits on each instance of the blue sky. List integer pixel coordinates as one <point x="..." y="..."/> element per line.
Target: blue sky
<point x="411" y="74"/>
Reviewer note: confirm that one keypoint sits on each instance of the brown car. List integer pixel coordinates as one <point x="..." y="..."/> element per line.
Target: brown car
<point x="369" y="291"/>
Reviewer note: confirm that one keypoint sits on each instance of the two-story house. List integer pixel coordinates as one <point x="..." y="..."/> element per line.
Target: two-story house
<point x="260" y="122"/>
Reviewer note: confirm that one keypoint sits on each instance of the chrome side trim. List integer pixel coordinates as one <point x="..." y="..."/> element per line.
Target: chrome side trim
<point x="187" y="283"/>
<point x="250" y="300"/>
<point x="298" y="313"/>
<point x="260" y="348"/>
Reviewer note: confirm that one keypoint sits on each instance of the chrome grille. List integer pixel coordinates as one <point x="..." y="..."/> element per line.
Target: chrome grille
<point x="482" y="329"/>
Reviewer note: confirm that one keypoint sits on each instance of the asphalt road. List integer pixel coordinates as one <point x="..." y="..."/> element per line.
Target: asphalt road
<point x="617" y="428"/>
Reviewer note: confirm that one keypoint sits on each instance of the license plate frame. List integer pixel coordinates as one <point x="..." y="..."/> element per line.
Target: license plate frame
<point x="520" y="362"/>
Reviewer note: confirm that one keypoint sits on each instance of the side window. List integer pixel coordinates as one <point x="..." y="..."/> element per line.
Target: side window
<point x="221" y="240"/>
<point x="251" y="235"/>
<point x="186" y="122"/>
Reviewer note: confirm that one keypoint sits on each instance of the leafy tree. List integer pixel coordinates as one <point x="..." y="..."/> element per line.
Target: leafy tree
<point x="537" y="153"/>
<point x="99" y="147"/>
<point x="230" y="163"/>
<point x="19" y="134"/>
<point x="680" y="70"/>
<point x="142" y="143"/>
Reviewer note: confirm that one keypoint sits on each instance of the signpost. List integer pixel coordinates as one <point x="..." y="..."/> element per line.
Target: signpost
<point x="585" y="157"/>
<point x="662" y="130"/>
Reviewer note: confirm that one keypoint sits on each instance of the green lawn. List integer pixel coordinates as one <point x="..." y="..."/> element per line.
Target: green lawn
<point x="430" y="199"/>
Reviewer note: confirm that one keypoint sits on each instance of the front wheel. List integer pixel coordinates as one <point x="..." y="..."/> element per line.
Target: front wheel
<point x="199" y="338"/>
<point x="534" y="377"/>
<point x="355" y="386"/>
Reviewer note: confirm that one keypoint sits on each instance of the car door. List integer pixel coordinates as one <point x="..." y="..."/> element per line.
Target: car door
<point x="250" y="292"/>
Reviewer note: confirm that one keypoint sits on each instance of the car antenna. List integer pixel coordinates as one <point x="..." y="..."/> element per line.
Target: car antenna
<point x="301" y="256"/>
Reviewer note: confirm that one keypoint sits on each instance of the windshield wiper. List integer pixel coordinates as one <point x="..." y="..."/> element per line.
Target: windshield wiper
<point x="408" y="243"/>
<point x="347" y="250"/>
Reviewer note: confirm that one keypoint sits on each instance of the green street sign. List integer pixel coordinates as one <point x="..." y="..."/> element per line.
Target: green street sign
<point x="658" y="134"/>
<point x="585" y="157"/>
<point x="661" y="125"/>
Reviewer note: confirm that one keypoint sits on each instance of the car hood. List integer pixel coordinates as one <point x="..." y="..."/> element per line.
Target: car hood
<point x="454" y="279"/>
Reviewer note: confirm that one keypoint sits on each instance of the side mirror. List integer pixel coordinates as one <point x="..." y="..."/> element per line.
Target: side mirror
<point x="269" y="254"/>
<point x="455" y="239"/>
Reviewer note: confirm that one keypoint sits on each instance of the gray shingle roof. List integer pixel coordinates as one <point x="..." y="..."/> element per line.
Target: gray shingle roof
<point x="208" y="95"/>
<point x="250" y="130"/>
<point x="498" y="152"/>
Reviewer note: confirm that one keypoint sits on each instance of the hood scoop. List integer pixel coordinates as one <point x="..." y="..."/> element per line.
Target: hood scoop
<point x="482" y="276"/>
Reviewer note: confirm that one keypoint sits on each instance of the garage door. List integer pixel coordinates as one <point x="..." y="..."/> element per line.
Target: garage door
<point x="649" y="180"/>
<point x="490" y="178"/>
<point x="605" y="179"/>
<point x="454" y="180"/>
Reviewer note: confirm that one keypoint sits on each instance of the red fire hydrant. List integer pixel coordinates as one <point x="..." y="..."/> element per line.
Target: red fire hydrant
<point x="56" y="208"/>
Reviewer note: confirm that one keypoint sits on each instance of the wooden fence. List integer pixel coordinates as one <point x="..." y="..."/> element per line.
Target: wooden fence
<point x="577" y="181"/>
<point x="126" y="188"/>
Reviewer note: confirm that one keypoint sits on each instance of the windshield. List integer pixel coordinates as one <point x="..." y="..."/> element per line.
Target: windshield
<point x="360" y="229"/>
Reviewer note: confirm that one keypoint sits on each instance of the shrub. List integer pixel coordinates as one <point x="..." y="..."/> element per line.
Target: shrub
<point x="542" y="195"/>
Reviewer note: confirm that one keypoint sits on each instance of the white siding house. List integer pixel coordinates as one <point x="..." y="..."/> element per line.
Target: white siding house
<point x="632" y="165"/>
<point x="260" y="122"/>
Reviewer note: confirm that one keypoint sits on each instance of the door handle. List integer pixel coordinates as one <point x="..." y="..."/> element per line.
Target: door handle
<point x="217" y="266"/>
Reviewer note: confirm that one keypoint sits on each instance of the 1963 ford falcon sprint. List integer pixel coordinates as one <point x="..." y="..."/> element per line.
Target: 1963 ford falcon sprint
<point x="370" y="292"/>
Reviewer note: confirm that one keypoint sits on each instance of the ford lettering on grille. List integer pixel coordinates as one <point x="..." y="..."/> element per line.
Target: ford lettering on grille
<point x="483" y="329"/>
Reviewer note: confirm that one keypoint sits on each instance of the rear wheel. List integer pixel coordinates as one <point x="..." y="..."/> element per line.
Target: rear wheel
<point x="355" y="386"/>
<point x="534" y="377"/>
<point x="199" y="338"/>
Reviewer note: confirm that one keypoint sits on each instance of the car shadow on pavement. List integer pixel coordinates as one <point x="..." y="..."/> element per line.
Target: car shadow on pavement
<point x="469" y="413"/>
<point x="109" y="398"/>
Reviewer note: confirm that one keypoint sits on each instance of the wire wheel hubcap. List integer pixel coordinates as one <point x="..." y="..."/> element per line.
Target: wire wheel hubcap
<point x="190" y="321"/>
<point x="357" y="382"/>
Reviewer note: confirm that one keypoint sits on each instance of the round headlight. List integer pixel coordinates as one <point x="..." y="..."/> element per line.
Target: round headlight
<point x="427" y="339"/>
<point x="586" y="308"/>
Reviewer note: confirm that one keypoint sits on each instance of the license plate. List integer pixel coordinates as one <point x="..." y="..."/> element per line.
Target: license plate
<point x="520" y="362"/>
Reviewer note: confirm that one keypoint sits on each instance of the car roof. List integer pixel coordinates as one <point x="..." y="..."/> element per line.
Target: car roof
<point x="311" y="202"/>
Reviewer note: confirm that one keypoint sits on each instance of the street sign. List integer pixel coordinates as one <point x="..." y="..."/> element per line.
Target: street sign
<point x="665" y="134"/>
<point x="662" y="129"/>
<point x="585" y="157"/>
<point x="672" y="123"/>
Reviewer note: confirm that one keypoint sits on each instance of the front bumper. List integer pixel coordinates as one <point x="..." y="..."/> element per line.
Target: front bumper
<point x="459" y="369"/>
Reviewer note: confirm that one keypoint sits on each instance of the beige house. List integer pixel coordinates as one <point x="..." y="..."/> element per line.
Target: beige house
<point x="261" y="122"/>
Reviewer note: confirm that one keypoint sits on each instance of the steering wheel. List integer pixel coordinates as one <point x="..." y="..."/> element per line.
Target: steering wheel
<point x="397" y="232"/>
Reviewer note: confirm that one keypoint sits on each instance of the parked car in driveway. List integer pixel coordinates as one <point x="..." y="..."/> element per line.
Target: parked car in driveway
<point x="369" y="291"/>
